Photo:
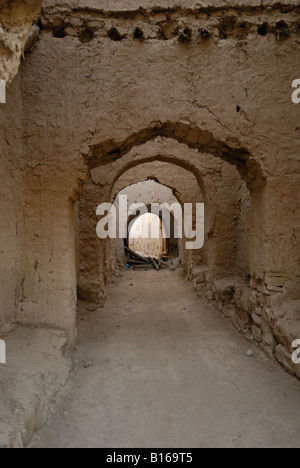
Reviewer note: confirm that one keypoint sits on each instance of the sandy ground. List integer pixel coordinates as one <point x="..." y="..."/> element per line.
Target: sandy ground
<point x="157" y="367"/>
<point x="35" y="371"/>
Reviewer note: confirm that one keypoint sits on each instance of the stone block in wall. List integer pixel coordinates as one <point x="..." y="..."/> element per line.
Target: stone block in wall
<point x="234" y="299"/>
<point x="269" y="342"/>
<point x="182" y="129"/>
<point x="284" y="356"/>
<point x="264" y="300"/>
<point x="287" y="330"/>
<point x="210" y="295"/>
<point x="32" y="37"/>
<point x="268" y="316"/>
<point x="199" y="282"/>
<point x="276" y="282"/>
<point x="257" y="319"/>
<point x="193" y="135"/>
<point x="204" y="138"/>
<point x="247" y="300"/>
<point x="256" y="333"/>
<point x="266" y="337"/>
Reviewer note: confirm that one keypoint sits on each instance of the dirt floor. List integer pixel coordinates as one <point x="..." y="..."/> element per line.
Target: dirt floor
<point x="35" y="372"/>
<point x="157" y="367"/>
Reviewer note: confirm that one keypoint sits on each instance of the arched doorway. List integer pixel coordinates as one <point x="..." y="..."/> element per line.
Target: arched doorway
<point x="151" y="194"/>
<point x="147" y="236"/>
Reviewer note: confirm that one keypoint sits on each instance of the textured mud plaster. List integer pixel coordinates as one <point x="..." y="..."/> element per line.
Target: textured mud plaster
<point x="16" y="18"/>
<point x="132" y="5"/>
<point x="11" y="208"/>
<point x="194" y="178"/>
<point x="35" y="372"/>
<point x="90" y="102"/>
<point x="15" y="21"/>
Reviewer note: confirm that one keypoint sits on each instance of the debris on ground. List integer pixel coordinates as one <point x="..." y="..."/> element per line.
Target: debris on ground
<point x="137" y="261"/>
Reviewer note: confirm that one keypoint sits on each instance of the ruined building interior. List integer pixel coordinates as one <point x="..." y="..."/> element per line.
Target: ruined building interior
<point x="165" y="102"/>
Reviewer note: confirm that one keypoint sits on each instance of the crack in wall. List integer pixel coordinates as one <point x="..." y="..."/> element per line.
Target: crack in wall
<point x="171" y="11"/>
<point x="185" y="25"/>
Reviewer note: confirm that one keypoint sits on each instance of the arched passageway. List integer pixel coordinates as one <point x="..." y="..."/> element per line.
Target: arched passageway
<point x="221" y="212"/>
<point x="152" y="195"/>
<point x="142" y="240"/>
<point x="230" y="269"/>
<point x="166" y="366"/>
<point x="101" y="125"/>
<point x="178" y="96"/>
<point x="193" y="178"/>
<point x="192" y="137"/>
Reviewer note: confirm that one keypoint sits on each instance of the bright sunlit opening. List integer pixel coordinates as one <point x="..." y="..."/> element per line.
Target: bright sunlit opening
<point x="147" y="236"/>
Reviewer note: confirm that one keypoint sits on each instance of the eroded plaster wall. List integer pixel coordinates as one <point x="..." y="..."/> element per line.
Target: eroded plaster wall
<point x="16" y="17"/>
<point x="182" y="183"/>
<point x="98" y="83"/>
<point x="215" y="183"/>
<point x="11" y="208"/>
<point x="211" y="181"/>
<point x="15" y="22"/>
<point x="227" y="113"/>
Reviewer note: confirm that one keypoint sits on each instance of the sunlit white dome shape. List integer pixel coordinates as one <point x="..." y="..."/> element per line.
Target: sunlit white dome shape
<point x="147" y="236"/>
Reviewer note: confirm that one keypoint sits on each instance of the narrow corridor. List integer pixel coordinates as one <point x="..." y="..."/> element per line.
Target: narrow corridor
<point x="158" y="367"/>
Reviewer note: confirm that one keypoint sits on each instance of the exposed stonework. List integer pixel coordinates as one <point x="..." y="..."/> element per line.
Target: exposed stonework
<point x="104" y="89"/>
<point x="193" y="181"/>
<point x="191" y="22"/>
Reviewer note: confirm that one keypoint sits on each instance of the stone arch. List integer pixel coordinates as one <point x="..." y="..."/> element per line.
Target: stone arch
<point x="184" y="132"/>
<point x="162" y="159"/>
<point x="191" y="135"/>
<point x="167" y="159"/>
<point x="104" y="177"/>
<point x="200" y="165"/>
<point x="173" y="244"/>
<point x="199" y="196"/>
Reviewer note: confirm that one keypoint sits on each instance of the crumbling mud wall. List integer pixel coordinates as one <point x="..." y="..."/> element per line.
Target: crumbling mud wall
<point x="16" y="18"/>
<point x="15" y="22"/>
<point x="102" y="81"/>
<point x="183" y="185"/>
<point x="219" y="187"/>
<point x="182" y="182"/>
<point x="11" y="208"/>
<point x="225" y="196"/>
<point x="194" y="179"/>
